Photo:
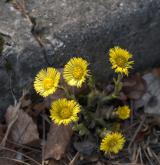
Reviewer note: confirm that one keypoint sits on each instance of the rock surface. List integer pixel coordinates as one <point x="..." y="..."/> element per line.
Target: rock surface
<point x="74" y="28"/>
<point x="152" y="97"/>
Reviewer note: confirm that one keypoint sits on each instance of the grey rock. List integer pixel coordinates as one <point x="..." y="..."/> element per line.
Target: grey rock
<point x="86" y="28"/>
<point x="151" y="99"/>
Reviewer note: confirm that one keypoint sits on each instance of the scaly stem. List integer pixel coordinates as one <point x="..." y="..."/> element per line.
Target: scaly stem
<point x="118" y="86"/>
<point x="117" y="89"/>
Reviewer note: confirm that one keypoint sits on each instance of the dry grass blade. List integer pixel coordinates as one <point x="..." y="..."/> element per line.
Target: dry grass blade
<point x="136" y="132"/>
<point x="43" y="140"/>
<point x="140" y="155"/>
<point x="28" y="157"/>
<point x="73" y="161"/>
<point x="14" y="160"/>
<point x="148" y="158"/>
<point x="127" y="164"/>
<point x="134" y="87"/>
<point x="14" y="119"/>
<point x="23" y="146"/>
<point x="156" y="157"/>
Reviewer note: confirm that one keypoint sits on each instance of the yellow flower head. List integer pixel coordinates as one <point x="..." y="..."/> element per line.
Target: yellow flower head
<point x="64" y="111"/>
<point x="123" y="112"/>
<point x="76" y="71"/>
<point x="46" y="81"/>
<point x="119" y="59"/>
<point x="112" y="143"/>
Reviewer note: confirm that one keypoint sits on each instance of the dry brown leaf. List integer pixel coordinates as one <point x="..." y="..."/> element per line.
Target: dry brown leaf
<point x="25" y="102"/>
<point x="134" y="87"/>
<point x="37" y="109"/>
<point x="156" y="72"/>
<point x="57" y="141"/>
<point x="24" y="130"/>
<point x="156" y="120"/>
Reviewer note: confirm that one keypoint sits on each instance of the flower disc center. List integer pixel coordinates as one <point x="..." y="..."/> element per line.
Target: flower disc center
<point x="77" y="72"/>
<point x="121" y="61"/>
<point x="47" y="83"/>
<point x="112" y="143"/>
<point x="65" y="113"/>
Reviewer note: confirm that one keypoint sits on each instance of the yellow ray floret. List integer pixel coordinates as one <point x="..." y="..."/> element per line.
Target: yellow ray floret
<point x="64" y="111"/>
<point x="123" y="112"/>
<point x="46" y="81"/>
<point x="76" y="71"/>
<point x="120" y="60"/>
<point x="112" y="143"/>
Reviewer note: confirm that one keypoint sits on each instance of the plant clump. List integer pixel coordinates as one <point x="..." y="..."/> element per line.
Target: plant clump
<point x="87" y="114"/>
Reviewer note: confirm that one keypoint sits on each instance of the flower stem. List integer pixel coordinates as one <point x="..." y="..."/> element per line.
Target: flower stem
<point x="117" y="89"/>
<point x="118" y="86"/>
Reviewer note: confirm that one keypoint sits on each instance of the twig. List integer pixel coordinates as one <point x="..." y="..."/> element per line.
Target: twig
<point x="43" y="140"/>
<point x="150" y="161"/>
<point x="131" y="126"/>
<point x="15" y="160"/>
<point x="14" y="119"/>
<point x="11" y="89"/>
<point x="24" y="146"/>
<point x="132" y="112"/>
<point x="149" y="152"/>
<point x="3" y="143"/>
<point x="136" y="132"/>
<point x="138" y="152"/>
<point x="46" y="118"/>
<point x="69" y="157"/>
<point x="154" y="154"/>
<point x="73" y="161"/>
<point x="134" y="152"/>
<point x="124" y="163"/>
<point x="28" y="157"/>
<point x="140" y="155"/>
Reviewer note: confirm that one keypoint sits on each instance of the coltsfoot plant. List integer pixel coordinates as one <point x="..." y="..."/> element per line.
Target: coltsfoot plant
<point x="88" y="118"/>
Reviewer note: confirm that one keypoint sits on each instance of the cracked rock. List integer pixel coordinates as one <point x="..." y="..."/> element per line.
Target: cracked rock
<point x="75" y="28"/>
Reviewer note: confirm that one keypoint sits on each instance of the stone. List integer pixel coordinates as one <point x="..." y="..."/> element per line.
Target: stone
<point x="150" y="101"/>
<point x="151" y="98"/>
<point x="74" y="28"/>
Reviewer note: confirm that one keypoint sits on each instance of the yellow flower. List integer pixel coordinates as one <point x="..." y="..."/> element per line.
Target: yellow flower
<point x="76" y="71"/>
<point x="46" y="81"/>
<point x="119" y="59"/>
<point x="112" y="143"/>
<point x="123" y="112"/>
<point x="64" y="111"/>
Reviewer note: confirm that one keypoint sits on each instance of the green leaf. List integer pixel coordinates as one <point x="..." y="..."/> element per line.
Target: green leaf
<point x="81" y="128"/>
<point x="91" y="82"/>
